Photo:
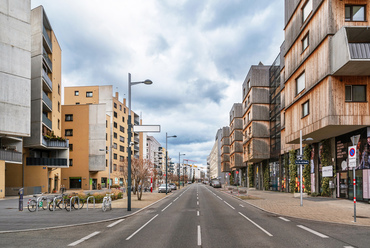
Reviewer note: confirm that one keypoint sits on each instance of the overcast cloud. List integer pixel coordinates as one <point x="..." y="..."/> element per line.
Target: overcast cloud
<point x="196" y="52"/>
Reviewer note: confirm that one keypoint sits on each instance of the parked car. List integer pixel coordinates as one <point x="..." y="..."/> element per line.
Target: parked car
<point x="216" y="184"/>
<point x="173" y="186"/>
<point x="162" y="188"/>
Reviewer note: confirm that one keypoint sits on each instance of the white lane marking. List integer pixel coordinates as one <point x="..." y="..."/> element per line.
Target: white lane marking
<point x="254" y="223"/>
<point x="176" y="199"/>
<point x="197" y="213"/>
<point x="348" y="246"/>
<point x="312" y="231"/>
<point x="199" y="237"/>
<point x="138" y="230"/>
<point x="115" y="223"/>
<point x="282" y="218"/>
<point x="197" y="202"/>
<point x="197" y="198"/>
<point x="166" y="207"/>
<point x="83" y="239"/>
<point x="219" y="198"/>
<point x="229" y="205"/>
<point x="241" y="205"/>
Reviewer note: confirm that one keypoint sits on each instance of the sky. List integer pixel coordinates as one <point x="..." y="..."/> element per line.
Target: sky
<point x="196" y="52"/>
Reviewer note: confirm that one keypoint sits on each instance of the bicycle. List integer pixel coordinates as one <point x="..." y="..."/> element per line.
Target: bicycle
<point x="68" y="204"/>
<point x="59" y="202"/>
<point x="107" y="202"/>
<point x="32" y="203"/>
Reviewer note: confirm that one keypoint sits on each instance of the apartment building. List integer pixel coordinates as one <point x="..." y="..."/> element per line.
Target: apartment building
<point x="225" y="150"/>
<point x="236" y="141"/>
<point x="105" y="132"/>
<point x="214" y="159"/>
<point x="326" y="87"/>
<point x="256" y="121"/>
<point x="15" y="91"/>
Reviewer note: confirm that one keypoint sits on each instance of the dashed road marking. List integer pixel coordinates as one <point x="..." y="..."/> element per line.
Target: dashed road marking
<point x="166" y="207"/>
<point x="115" y="223"/>
<point x="282" y="218"/>
<point x="138" y="230"/>
<point x="83" y="239"/>
<point x="229" y="205"/>
<point x="197" y="213"/>
<point x="312" y="231"/>
<point x="254" y="223"/>
<point x="199" y="236"/>
<point x="241" y="205"/>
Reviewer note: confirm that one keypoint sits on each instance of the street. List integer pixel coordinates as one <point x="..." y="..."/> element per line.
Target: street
<point x="197" y="216"/>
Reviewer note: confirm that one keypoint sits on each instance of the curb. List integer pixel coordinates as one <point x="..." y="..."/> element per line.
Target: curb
<point x="270" y="212"/>
<point x="86" y="223"/>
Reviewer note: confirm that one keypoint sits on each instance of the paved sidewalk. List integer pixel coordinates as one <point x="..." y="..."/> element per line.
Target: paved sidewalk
<point x="13" y="220"/>
<point x="314" y="208"/>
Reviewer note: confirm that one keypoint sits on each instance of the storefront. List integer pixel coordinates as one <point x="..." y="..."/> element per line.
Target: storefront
<point x="274" y="176"/>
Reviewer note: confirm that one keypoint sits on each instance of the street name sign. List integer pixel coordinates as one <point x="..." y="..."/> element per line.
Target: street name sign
<point x="301" y="162"/>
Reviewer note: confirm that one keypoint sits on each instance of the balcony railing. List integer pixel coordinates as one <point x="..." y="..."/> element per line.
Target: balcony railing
<point x="47" y="101"/>
<point x="10" y="156"/>
<point x="136" y="140"/>
<point x="136" y="148"/>
<point x="47" y="79"/>
<point x="47" y="122"/>
<point x="55" y="143"/>
<point x="47" y="39"/>
<point x="48" y="61"/>
<point x="136" y="123"/>
<point x="47" y="161"/>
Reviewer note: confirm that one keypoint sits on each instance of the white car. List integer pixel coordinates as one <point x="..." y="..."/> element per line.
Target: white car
<point x="162" y="188"/>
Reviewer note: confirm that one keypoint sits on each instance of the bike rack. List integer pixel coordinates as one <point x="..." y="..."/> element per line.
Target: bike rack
<point x="87" y="202"/>
<point x="55" y="198"/>
<point x="38" y="201"/>
<point x="70" y="202"/>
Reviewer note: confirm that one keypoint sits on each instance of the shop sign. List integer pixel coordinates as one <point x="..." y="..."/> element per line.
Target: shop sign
<point x="327" y="171"/>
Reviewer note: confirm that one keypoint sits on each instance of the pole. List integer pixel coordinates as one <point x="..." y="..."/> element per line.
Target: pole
<point x="300" y="167"/>
<point x="354" y="193"/>
<point x="129" y="146"/>
<point x="178" y="171"/>
<point x="166" y="163"/>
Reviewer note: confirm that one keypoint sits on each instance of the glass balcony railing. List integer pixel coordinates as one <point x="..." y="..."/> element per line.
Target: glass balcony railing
<point x="46" y="121"/>
<point x="48" y="61"/>
<point x="55" y="143"/>
<point x="47" y="161"/>
<point x="47" y="79"/>
<point x="47" y="39"/>
<point x="47" y="100"/>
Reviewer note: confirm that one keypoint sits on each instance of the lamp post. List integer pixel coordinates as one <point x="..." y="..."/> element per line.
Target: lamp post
<point x="173" y="136"/>
<point x="179" y="166"/>
<point x="147" y="81"/>
<point x="300" y="167"/>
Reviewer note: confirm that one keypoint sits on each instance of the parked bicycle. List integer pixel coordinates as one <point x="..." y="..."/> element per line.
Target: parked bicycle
<point x="42" y="201"/>
<point x="59" y="202"/>
<point x="69" y="205"/>
<point x="107" y="202"/>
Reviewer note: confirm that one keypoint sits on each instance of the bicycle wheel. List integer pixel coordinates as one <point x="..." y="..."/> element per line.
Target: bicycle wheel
<point x="75" y="205"/>
<point x="61" y="203"/>
<point x="51" y="206"/>
<point x="68" y="206"/>
<point x="104" y="205"/>
<point x="32" y="206"/>
<point x="45" y="204"/>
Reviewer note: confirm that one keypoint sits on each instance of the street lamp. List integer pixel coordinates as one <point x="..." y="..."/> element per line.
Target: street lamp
<point x="300" y="166"/>
<point x="147" y="81"/>
<point x="173" y="136"/>
<point x="110" y="161"/>
<point x="179" y="166"/>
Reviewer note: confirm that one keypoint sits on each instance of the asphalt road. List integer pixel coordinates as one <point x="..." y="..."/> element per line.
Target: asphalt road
<point x="198" y="216"/>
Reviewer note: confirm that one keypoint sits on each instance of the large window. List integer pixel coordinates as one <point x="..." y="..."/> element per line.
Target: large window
<point x="355" y="93"/>
<point x="306" y="10"/>
<point x="300" y="83"/>
<point x="69" y="117"/>
<point x="355" y="13"/>
<point x="305" y="108"/>
<point x="69" y="132"/>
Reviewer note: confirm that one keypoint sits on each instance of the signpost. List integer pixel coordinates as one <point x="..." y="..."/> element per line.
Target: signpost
<point x="352" y="164"/>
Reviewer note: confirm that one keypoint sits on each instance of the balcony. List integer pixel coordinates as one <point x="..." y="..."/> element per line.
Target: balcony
<point x="47" y="40"/>
<point x="136" y="122"/>
<point x="136" y="140"/>
<point x="136" y="148"/>
<point x="47" y="80"/>
<point x="46" y="122"/>
<point x="47" y="102"/>
<point x="55" y="143"/>
<point x="59" y="162"/>
<point x="350" y="52"/>
<point x="47" y="59"/>
<point x="10" y="156"/>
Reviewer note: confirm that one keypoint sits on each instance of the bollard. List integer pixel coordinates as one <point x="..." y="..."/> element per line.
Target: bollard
<point x="20" y="193"/>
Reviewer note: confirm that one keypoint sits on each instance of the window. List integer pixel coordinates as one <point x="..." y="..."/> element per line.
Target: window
<point x="77" y="93"/>
<point x="69" y="132"/>
<point x="121" y="158"/>
<point x="250" y="130"/>
<point x="122" y="148"/>
<point x="306" y="10"/>
<point x="70" y="162"/>
<point x="58" y="124"/>
<point x="115" y="135"/>
<point x="115" y="114"/>
<point x="249" y="84"/>
<point x="300" y="83"/>
<point x="249" y="116"/>
<point x="106" y="123"/>
<point x="106" y="136"/>
<point x="106" y="163"/>
<point x="106" y="149"/>
<point x="305" y="108"/>
<point x="77" y="103"/>
<point x="114" y="167"/>
<point x="59" y="107"/>
<point x="89" y="94"/>
<point x="122" y="139"/>
<point x="68" y="117"/>
<point x="70" y="147"/>
<point x="123" y="119"/>
<point x="355" y="13"/>
<point x="121" y="169"/>
<point x="120" y="107"/>
<point x="355" y="93"/>
<point x="305" y="42"/>
<point x="124" y="110"/>
<point x="249" y="99"/>
<point x="115" y="156"/>
<point x="115" y="105"/>
<point x="115" y="124"/>
<point x="122" y="129"/>
<point x="115" y="145"/>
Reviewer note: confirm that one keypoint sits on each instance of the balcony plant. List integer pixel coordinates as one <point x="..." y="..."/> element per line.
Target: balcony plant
<point x="51" y="136"/>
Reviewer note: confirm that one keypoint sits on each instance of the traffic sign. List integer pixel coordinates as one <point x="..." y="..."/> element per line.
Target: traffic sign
<point x="301" y="162"/>
<point x="352" y="156"/>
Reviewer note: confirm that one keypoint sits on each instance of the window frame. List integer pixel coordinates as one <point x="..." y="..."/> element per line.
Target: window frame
<point x="351" y="86"/>
<point x="68" y="119"/>
<point x="68" y="132"/>
<point x="303" y="108"/>
<point x="305" y="17"/>
<point x="297" y="91"/>
<point x="77" y="93"/>
<point x="351" y="12"/>
<point x="305" y="38"/>
<point x="88" y="94"/>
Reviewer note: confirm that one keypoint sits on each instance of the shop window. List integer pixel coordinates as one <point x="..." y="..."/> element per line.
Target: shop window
<point x="68" y="117"/>
<point x="89" y="94"/>
<point x="305" y="108"/>
<point x="355" y="13"/>
<point x="355" y="93"/>
<point x="300" y="83"/>
<point x="306" y="10"/>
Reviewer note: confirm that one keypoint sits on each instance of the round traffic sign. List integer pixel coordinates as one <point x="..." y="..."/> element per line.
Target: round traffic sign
<point x="352" y="152"/>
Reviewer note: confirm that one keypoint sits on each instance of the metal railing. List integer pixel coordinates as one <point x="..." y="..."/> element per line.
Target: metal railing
<point x="47" y="121"/>
<point x="47" y="100"/>
<point x="47" y="79"/>
<point x="55" y="143"/>
<point x="11" y="156"/>
<point x="47" y="38"/>
<point x="87" y="202"/>
<point x="47" y="59"/>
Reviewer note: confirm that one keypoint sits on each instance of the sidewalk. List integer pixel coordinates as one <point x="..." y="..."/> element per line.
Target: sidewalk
<point x="13" y="220"/>
<point x="314" y="208"/>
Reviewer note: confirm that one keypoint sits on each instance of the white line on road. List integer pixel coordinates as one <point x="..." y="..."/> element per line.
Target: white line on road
<point x="83" y="239"/>
<point x="138" y="230"/>
<point x="176" y="199"/>
<point x="197" y="202"/>
<point x="167" y="206"/>
<point x="197" y="213"/>
<point x="282" y="218"/>
<point x="199" y="237"/>
<point x="312" y="231"/>
<point x="229" y="205"/>
<point x="254" y="223"/>
<point x="348" y="246"/>
<point x="115" y="223"/>
<point x="219" y="198"/>
<point x="241" y="205"/>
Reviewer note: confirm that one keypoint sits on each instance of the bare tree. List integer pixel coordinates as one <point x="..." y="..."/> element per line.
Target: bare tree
<point x="140" y="172"/>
